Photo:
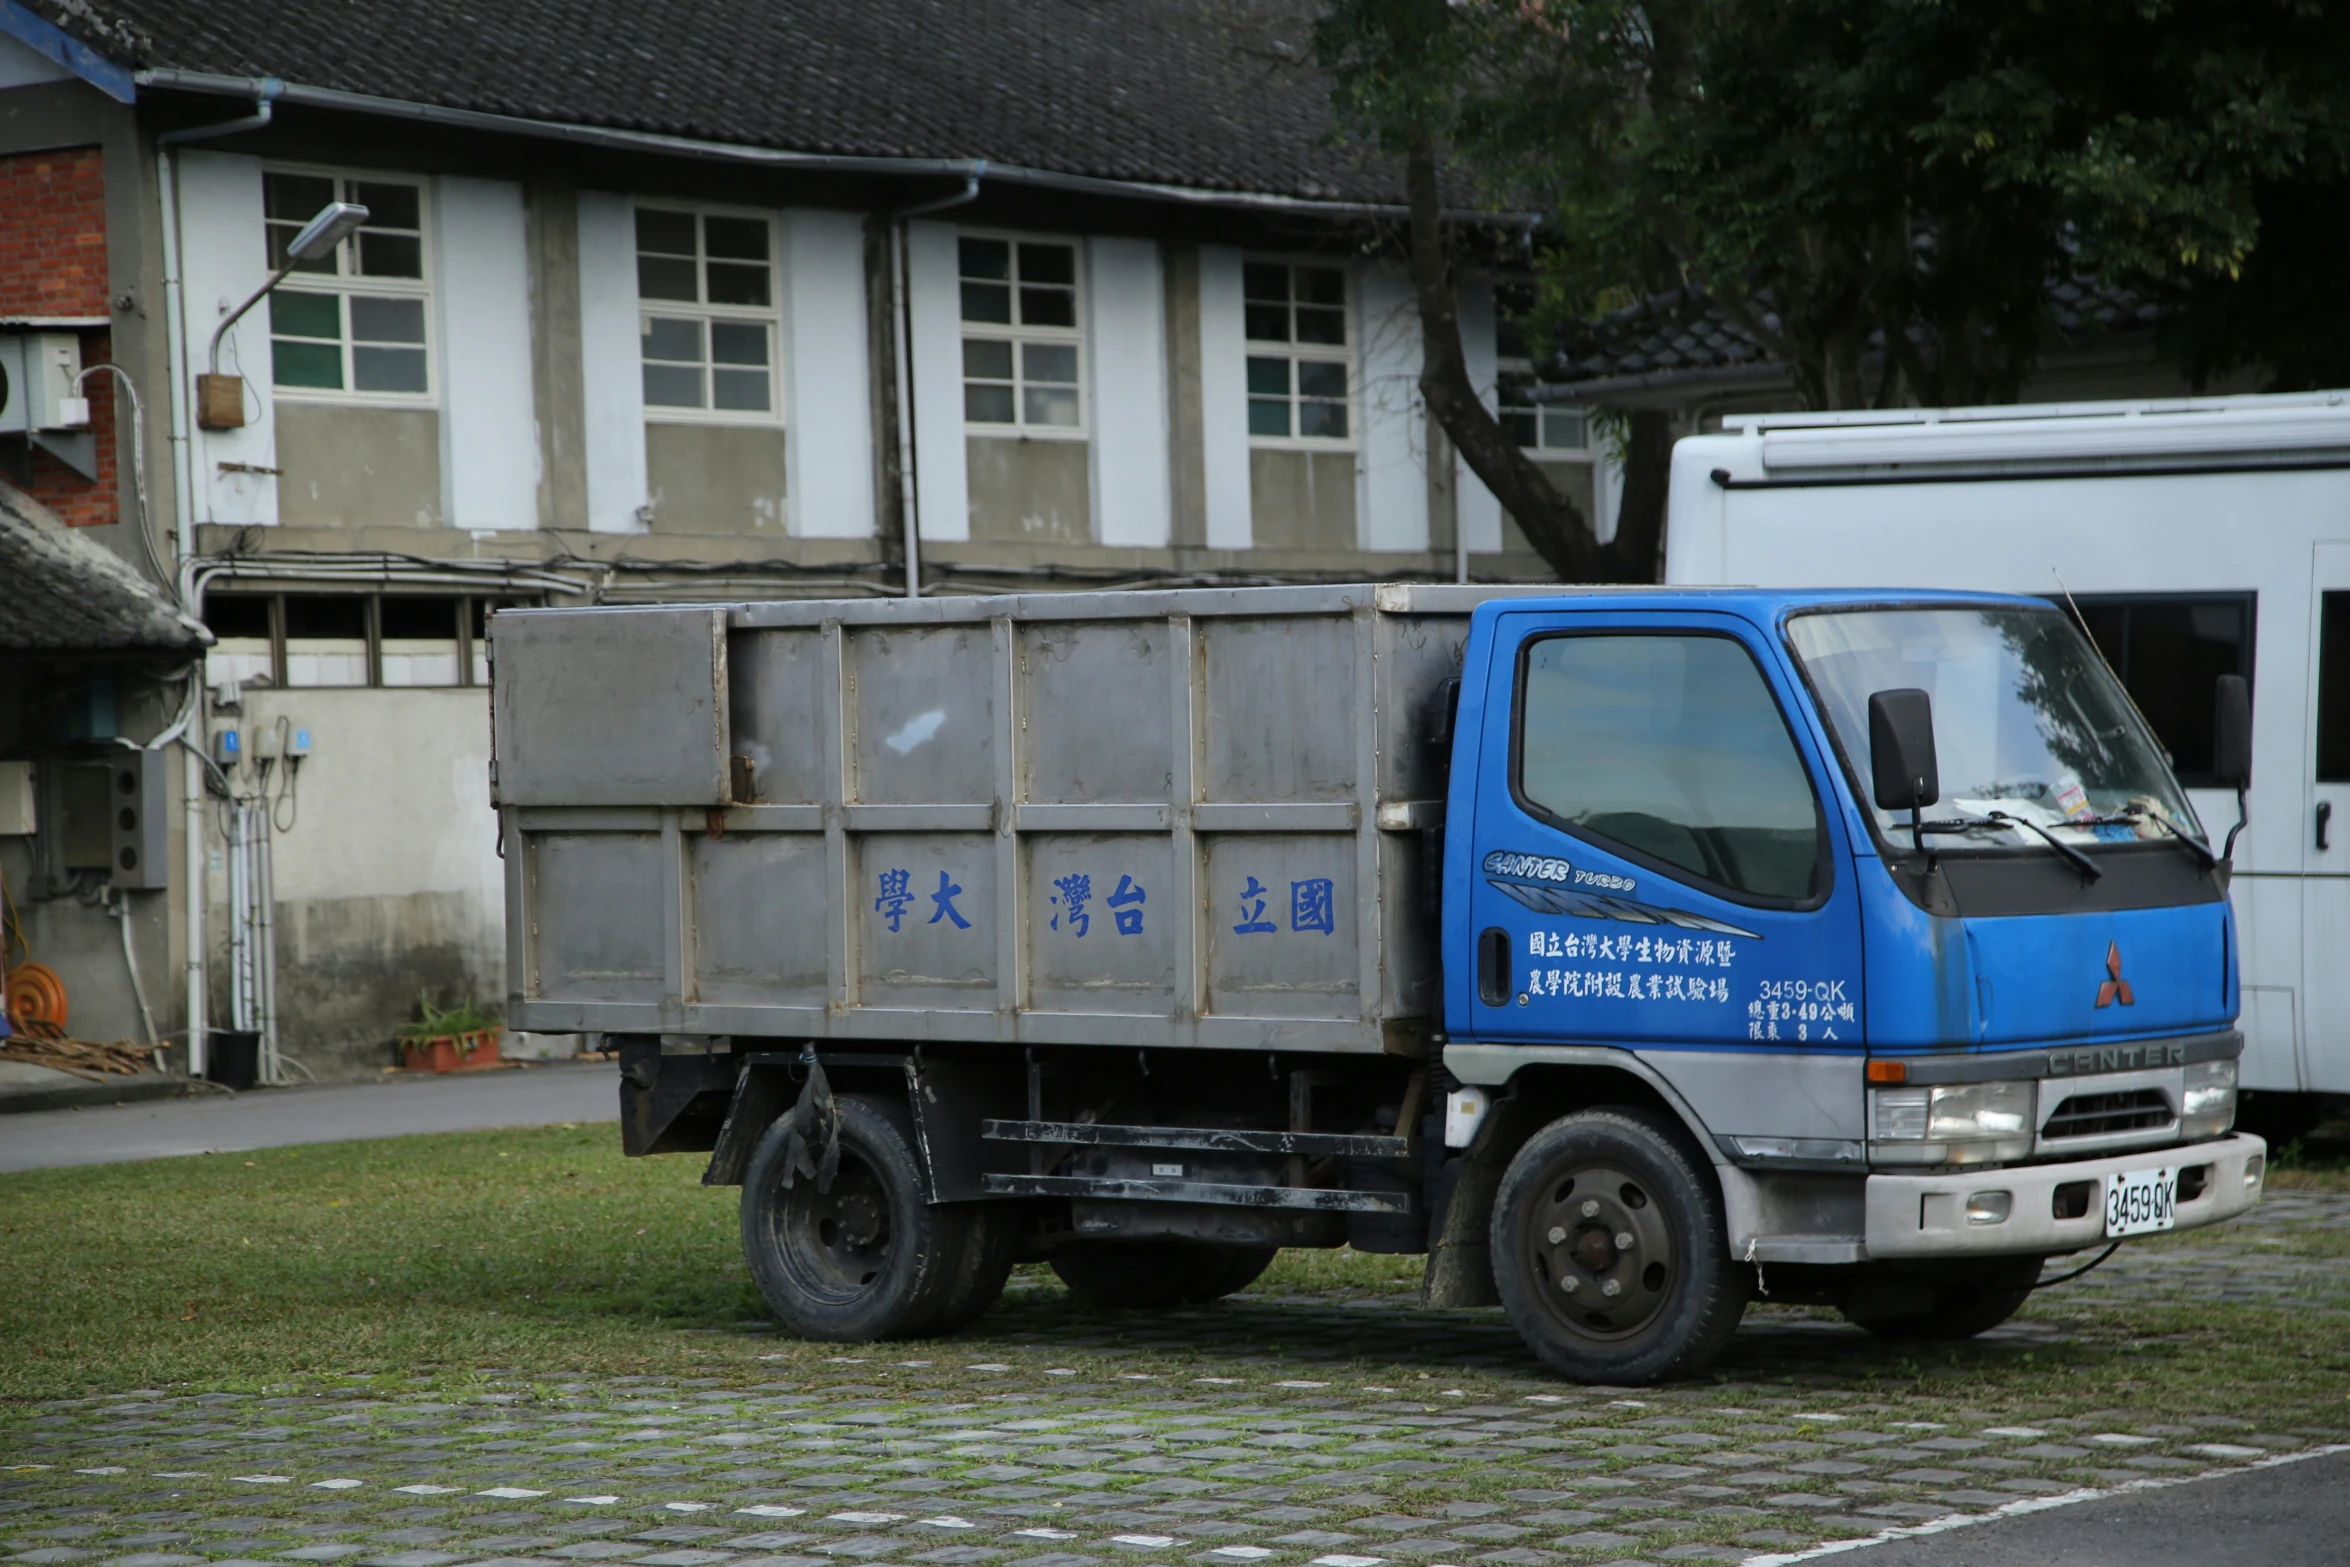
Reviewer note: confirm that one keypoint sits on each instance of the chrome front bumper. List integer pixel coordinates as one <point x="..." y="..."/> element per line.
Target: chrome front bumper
<point x="1925" y="1215"/>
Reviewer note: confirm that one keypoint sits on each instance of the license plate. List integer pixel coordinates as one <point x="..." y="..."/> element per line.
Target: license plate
<point x="2138" y="1202"/>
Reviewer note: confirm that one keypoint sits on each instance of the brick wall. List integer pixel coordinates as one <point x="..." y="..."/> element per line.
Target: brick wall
<point x="53" y="263"/>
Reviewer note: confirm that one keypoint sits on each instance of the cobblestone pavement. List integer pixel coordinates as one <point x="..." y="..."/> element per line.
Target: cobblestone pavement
<point x="1248" y="1433"/>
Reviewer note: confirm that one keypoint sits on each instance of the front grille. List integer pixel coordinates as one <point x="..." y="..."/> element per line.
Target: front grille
<point x="2099" y="1115"/>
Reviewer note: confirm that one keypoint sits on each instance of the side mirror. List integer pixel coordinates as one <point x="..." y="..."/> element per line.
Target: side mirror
<point x="1901" y="750"/>
<point x="2231" y="733"/>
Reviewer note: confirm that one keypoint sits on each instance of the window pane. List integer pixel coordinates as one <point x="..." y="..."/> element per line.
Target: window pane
<point x="377" y="320"/>
<point x="1049" y="361"/>
<point x="1048" y="306"/>
<point x="1048" y="264"/>
<point x="295" y="198"/>
<point x="1326" y="421"/>
<point x="667" y="337"/>
<point x="1320" y="378"/>
<point x="408" y="616"/>
<point x="988" y="302"/>
<point x="2170" y="653"/>
<point x="390" y="255"/>
<point x="1055" y="405"/>
<point x="672" y="386"/>
<point x="305" y="364"/>
<point x="1321" y="326"/>
<point x="1321" y="286"/>
<point x="1268" y="377"/>
<point x="986" y="258"/>
<point x="671" y="233"/>
<point x="665" y="277"/>
<point x="326" y="615"/>
<point x="738" y="343"/>
<point x="293" y="313"/>
<point x="739" y="391"/>
<point x="1267" y="323"/>
<point x="389" y="206"/>
<point x="1267" y="417"/>
<point x="1562" y="430"/>
<point x="740" y="239"/>
<point x="987" y="359"/>
<point x="2333" y="689"/>
<point x="1264" y="280"/>
<point x="281" y="235"/>
<point x="738" y="283"/>
<point x="1673" y="748"/>
<point x="237" y="614"/>
<point x="986" y="404"/>
<point x="388" y="369"/>
<point x="1518" y="424"/>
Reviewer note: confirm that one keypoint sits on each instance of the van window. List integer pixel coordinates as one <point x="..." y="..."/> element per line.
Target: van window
<point x="2333" y="688"/>
<point x="1671" y="749"/>
<point x="2170" y="651"/>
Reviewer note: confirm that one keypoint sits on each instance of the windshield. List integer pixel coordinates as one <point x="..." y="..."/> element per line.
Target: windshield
<point x="2028" y="722"/>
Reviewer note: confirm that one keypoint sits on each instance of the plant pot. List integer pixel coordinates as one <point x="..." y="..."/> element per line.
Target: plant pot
<point x="469" y="1052"/>
<point x="233" y="1059"/>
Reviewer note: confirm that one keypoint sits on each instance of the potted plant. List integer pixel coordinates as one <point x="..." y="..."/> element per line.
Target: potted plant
<point x="462" y="1038"/>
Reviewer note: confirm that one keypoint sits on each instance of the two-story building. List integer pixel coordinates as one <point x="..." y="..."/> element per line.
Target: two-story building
<point x="656" y="302"/>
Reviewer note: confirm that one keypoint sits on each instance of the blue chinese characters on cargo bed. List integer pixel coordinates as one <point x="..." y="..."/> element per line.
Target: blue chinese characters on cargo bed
<point x="897" y="897"/>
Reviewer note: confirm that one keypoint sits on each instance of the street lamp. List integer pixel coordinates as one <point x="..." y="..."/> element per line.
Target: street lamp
<point x="220" y="399"/>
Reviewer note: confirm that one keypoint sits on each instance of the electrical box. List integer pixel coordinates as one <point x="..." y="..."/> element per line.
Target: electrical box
<point x="228" y="748"/>
<point x="37" y="374"/>
<point x="140" y="823"/>
<point x="18" y="814"/>
<point x="76" y="816"/>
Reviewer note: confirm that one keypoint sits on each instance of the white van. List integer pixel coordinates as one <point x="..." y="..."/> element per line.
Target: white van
<point x="2198" y="537"/>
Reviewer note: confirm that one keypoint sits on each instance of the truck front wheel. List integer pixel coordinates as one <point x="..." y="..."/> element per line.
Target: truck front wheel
<point x="1608" y="1251"/>
<point x="868" y="1258"/>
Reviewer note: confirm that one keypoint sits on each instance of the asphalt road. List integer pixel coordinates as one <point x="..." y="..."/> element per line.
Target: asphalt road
<point x="2295" y="1513"/>
<point x="539" y="1095"/>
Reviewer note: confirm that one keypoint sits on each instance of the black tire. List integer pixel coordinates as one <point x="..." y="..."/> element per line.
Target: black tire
<point x="1965" y="1304"/>
<point x="1224" y="1270"/>
<point x="991" y="1235"/>
<point x="1597" y="1181"/>
<point x="870" y="1259"/>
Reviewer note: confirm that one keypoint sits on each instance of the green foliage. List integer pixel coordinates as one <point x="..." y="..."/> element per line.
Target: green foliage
<point x="466" y="1017"/>
<point x="1881" y="191"/>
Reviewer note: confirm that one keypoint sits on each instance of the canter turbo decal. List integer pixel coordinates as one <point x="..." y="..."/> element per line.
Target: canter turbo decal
<point x="1547" y="885"/>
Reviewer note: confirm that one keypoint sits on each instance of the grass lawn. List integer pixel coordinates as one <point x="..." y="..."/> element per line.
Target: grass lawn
<point x="543" y="1254"/>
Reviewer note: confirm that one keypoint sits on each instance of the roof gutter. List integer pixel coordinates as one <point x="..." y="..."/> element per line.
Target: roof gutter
<point x="775" y="158"/>
<point x="1659" y="381"/>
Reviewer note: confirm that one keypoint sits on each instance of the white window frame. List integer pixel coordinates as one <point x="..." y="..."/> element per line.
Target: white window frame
<point x="1349" y="354"/>
<point x="1541" y="451"/>
<point x="770" y="315"/>
<point x="345" y="282"/>
<point x="1017" y="333"/>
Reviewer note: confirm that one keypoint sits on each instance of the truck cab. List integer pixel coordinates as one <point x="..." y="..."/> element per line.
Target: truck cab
<point x="1927" y="1027"/>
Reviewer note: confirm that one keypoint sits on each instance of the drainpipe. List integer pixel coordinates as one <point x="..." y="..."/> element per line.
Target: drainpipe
<point x="183" y="471"/>
<point x="909" y="489"/>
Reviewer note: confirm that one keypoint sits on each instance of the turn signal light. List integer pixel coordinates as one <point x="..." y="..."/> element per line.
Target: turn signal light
<point x="1888" y="1071"/>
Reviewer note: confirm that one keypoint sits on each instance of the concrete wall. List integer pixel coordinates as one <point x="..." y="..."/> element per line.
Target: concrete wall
<point x="1032" y="491"/>
<point x="344" y="467"/>
<point x="388" y="880"/>
<point x="1302" y="499"/>
<point x="715" y="478"/>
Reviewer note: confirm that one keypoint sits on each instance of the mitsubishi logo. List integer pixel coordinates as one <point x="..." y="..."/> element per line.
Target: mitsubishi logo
<point x="2115" y="987"/>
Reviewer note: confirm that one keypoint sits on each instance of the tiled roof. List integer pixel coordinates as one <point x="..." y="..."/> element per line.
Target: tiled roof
<point x="1684" y="337"/>
<point x="1215" y="95"/>
<point x="60" y="592"/>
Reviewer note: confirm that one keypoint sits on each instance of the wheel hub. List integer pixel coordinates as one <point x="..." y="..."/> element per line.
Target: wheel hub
<point x="1606" y="1250"/>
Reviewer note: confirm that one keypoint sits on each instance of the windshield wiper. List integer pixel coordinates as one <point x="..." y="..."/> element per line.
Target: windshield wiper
<point x="2090" y="870"/>
<point x="2195" y="846"/>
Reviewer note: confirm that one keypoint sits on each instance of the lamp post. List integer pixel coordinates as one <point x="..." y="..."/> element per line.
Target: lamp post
<point x="220" y="399"/>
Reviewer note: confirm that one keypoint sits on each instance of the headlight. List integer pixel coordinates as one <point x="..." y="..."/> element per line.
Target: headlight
<point x="2207" y="1106"/>
<point x="1955" y="1123"/>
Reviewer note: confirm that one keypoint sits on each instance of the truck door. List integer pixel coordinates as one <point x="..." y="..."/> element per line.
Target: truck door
<point x="1654" y="869"/>
<point x="2325" y="831"/>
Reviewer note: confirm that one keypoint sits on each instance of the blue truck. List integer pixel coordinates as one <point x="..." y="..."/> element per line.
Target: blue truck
<point x="1631" y="953"/>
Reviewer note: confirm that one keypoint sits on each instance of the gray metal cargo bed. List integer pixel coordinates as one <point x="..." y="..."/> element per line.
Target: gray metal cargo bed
<point x="1185" y="818"/>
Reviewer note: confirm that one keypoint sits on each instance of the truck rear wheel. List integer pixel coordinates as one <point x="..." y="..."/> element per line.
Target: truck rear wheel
<point x="1608" y="1251"/>
<point x="868" y="1259"/>
<point x="1963" y="1304"/>
<point x="989" y="1243"/>
<point x="1143" y="1275"/>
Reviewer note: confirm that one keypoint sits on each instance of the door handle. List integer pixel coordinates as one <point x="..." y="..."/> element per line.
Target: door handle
<point x="2325" y="820"/>
<point x="1493" y="966"/>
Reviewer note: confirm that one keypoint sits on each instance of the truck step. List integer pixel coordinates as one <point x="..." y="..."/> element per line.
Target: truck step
<point x="1208" y="1139"/>
<point x="1311" y="1199"/>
